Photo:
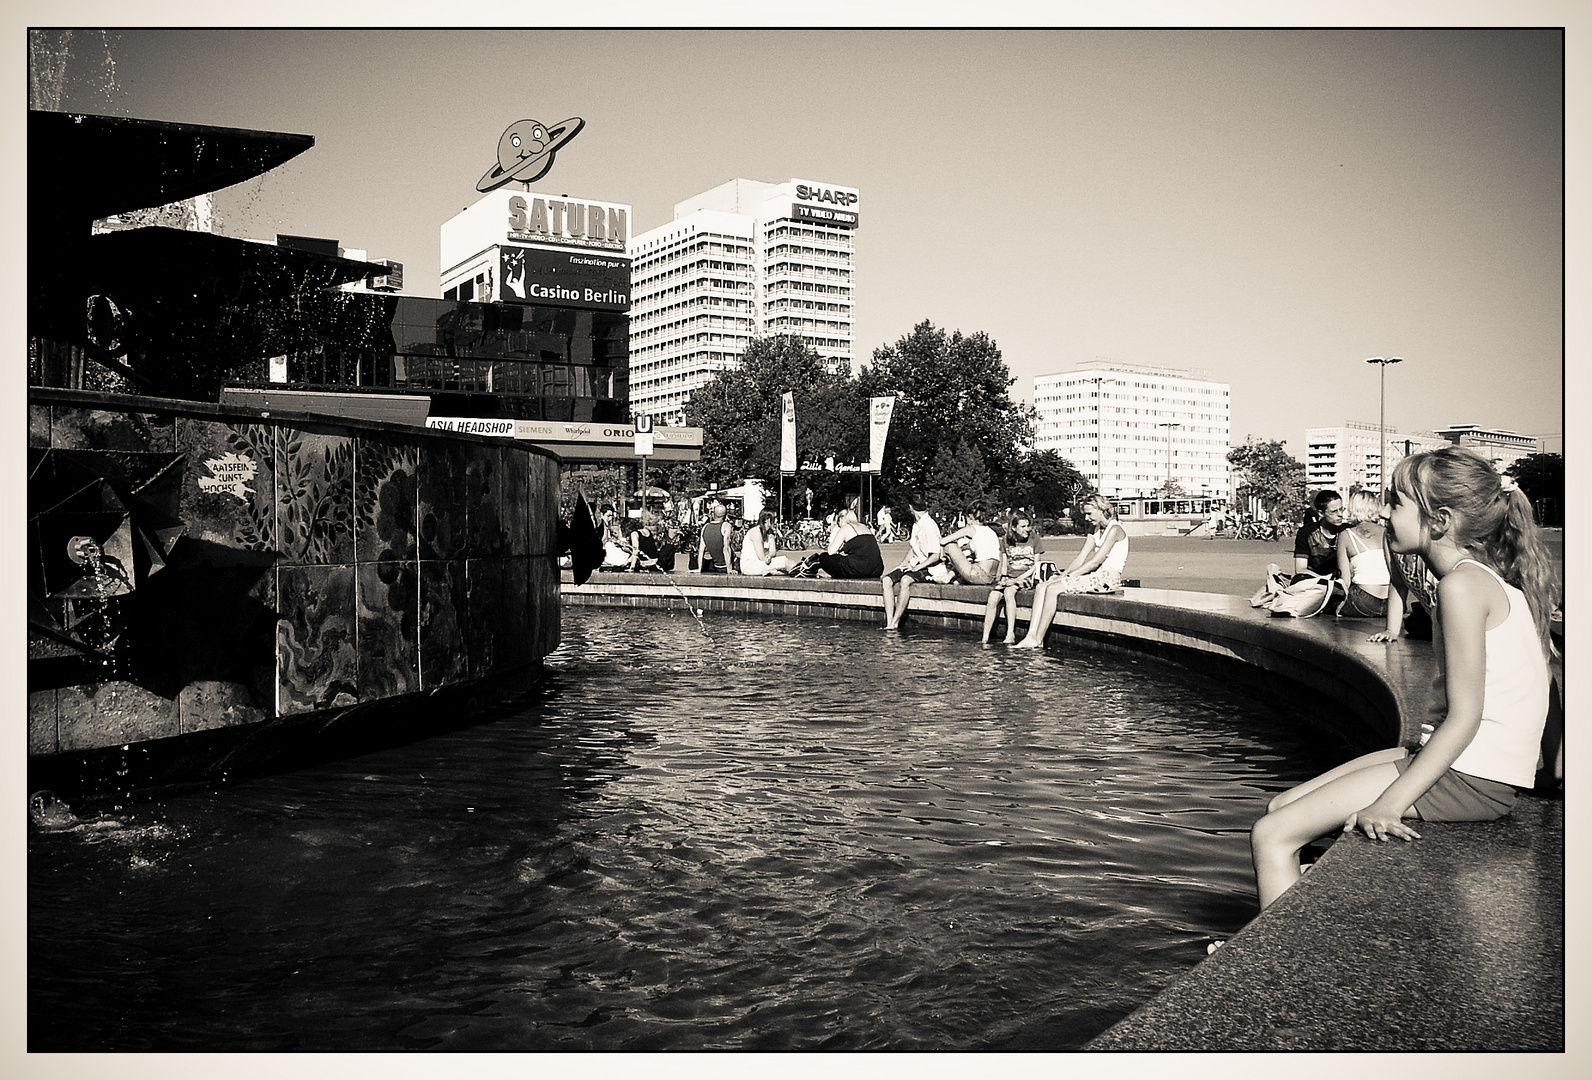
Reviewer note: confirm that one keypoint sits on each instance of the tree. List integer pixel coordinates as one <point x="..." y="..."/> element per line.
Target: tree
<point x="1268" y="474"/>
<point x="946" y="386"/>
<point x="1541" y="478"/>
<point x="739" y="412"/>
<point x="1045" y="482"/>
<point x="959" y="482"/>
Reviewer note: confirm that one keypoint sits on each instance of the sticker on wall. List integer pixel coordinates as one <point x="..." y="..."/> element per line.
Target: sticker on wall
<point x="230" y="473"/>
<point x="526" y="149"/>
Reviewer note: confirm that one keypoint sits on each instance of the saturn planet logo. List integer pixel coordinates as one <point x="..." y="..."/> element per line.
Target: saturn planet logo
<point x="526" y="149"/>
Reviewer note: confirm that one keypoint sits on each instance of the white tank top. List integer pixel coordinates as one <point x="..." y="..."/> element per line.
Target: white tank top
<point x="1368" y="566"/>
<point x="1116" y="558"/>
<point x="1515" y="700"/>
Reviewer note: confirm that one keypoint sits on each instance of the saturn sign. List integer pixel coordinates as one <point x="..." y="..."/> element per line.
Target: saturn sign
<point x="526" y="149"/>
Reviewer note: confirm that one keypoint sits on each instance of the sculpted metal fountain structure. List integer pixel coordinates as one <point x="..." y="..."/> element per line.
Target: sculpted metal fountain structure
<point x="211" y="587"/>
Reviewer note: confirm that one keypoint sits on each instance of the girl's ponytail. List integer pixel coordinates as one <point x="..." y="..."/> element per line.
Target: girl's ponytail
<point x="1495" y="522"/>
<point x="1517" y="550"/>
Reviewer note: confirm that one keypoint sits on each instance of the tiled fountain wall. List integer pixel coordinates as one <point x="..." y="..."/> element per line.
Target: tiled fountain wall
<point x="323" y="563"/>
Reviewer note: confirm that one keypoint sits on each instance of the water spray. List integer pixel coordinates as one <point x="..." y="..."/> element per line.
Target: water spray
<point x="696" y="612"/>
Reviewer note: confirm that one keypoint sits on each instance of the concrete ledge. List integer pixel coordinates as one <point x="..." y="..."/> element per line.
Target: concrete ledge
<point x="1454" y="942"/>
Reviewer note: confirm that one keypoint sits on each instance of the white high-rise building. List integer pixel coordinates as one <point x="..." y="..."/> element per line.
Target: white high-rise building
<point x="1130" y="427"/>
<point x="745" y="259"/>
<point x="1350" y="456"/>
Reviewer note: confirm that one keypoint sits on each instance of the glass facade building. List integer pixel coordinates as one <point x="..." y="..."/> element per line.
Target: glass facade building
<point x="522" y="361"/>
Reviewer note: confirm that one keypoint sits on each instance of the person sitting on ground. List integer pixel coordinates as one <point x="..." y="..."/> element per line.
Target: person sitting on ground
<point x="616" y="548"/>
<point x="924" y="552"/>
<point x="1412" y="597"/>
<point x="758" y="558"/>
<point x="1316" y="542"/>
<point x="1362" y="562"/>
<point x="983" y="566"/>
<point x="1018" y="571"/>
<point x="885" y="531"/>
<point x="647" y="547"/>
<point x="853" y="550"/>
<point x="1098" y="568"/>
<point x="713" y="551"/>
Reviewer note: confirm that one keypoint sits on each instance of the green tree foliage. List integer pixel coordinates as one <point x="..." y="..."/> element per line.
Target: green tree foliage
<point x="958" y="481"/>
<point x="1541" y="477"/>
<point x="1266" y="472"/>
<point x="739" y="412"/>
<point x="1044" y="482"/>
<point x="947" y="386"/>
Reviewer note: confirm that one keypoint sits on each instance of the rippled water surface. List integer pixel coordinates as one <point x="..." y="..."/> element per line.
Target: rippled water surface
<point x="807" y="835"/>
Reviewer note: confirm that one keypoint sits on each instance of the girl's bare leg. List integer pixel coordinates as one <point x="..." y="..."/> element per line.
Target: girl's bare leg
<point x="1275" y="839"/>
<point x="1042" y="611"/>
<point x="1397" y="753"/>
<point x="992" y="607"/>
<point x="1011" y="614"/>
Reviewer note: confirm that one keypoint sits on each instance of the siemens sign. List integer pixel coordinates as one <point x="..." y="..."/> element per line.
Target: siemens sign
<point x="567" y="278"/>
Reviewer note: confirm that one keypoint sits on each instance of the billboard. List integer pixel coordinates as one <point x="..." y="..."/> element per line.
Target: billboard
<point x="569" y="278"/>
<point x="841" y="219"/>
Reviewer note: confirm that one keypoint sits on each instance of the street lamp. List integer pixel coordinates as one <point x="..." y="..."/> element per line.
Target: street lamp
<point x="1169" y="426"/>
<point x="1381" y="419"/>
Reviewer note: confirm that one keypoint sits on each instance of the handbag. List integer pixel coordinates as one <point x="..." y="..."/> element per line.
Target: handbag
<point x="1304" y="599"/>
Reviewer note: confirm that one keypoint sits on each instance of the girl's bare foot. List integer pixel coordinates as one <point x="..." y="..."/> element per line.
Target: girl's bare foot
<point x="1026" y="643"/>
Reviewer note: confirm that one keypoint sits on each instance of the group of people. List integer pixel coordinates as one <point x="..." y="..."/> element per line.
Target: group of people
<point x="1343" y="563"/>
<point x="976" y="555"/>
<point x="1450" y="551"/>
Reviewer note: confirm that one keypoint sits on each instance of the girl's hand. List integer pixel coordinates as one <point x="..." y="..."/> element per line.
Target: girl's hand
<point x="1380" y="822"/>
<point x="1385" y="635"/>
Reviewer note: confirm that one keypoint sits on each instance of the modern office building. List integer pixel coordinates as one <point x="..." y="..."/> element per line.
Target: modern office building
<point x="1502" y="447"/>
<point x="1350" y="456"/>
<point x="745" y="259"/>
<point x="1131" y="427"/>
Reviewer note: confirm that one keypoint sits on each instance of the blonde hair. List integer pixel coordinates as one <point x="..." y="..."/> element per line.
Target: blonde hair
<point x="1102" y="504"/>
<point x="1363" y="506"/>
<point x="1493" y="522"/>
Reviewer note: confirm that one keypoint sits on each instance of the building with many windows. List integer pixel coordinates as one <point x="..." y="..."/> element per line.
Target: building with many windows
<point x="1350" y="456"/>
<point x="1130" y="428"/>
<point x="1502" y="447"/>
<point x="745" y="259"/>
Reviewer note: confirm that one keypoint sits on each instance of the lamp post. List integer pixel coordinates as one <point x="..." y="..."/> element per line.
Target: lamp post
<point x="1381" y="418"/>
<point x="1169" y="426"/>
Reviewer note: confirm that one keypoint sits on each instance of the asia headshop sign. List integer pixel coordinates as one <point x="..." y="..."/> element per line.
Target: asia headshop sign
<point x="588" y="279"/>
<point x="826" y="204"/>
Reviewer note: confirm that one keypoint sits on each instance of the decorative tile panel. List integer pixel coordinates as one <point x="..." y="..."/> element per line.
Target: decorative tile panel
<point x="387" y="510"/>
<point x="483" y="500"/>
<point x="442" y="499"/>
<point x="227" y="504"/>
<point x="38" y="425"/>
<point x="317" y="658"/>
<point x="388" y="595"/>
<point x="98" y="429"/>
<point x="315" y="497"/>
<point x="443" y="595"/>
<point x="514" y="501"/>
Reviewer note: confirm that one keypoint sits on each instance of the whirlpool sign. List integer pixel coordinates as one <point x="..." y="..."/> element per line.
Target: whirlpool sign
<point x="588" y="279"/>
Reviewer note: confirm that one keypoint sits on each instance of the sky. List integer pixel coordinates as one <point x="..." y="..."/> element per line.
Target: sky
<point x="1265" y="207"/>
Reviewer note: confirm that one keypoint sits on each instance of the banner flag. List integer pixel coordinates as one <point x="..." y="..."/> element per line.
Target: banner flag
<point x="787" y="435"/>
<point x="878" y="428"/>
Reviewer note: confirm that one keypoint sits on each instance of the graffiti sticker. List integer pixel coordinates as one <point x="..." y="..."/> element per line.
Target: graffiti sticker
<point x="231" y="473"/>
